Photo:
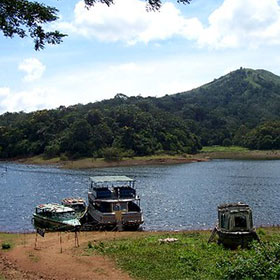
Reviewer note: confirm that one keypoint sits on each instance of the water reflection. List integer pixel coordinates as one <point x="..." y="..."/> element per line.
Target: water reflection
<point x="172" y="197"/>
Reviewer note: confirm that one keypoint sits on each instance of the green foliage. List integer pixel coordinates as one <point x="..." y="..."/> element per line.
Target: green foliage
<point x="191" y="257"/>
<point x="240" y="109"/>
<point x="6" y="246"/>
<point x="21" y="17"/>
<point x="260" y="262"/>
<point x="112" y="154"/>
<point x="264" y="137"/>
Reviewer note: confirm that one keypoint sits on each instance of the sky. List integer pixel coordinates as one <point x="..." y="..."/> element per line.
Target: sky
<point x="125" y="49"/>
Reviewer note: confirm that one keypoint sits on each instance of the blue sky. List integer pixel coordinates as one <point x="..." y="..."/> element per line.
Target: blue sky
<point x="124" y="49"/>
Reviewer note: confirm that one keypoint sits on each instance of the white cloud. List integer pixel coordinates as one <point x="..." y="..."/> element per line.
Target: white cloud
<point x="236" y="23"/>
<point x="33" y="68"/>
<point x="27" y="100"/>
<point x="128" y="21"/>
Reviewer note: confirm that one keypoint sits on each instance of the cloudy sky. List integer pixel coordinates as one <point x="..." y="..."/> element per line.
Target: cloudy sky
<point x="124" y="49"/>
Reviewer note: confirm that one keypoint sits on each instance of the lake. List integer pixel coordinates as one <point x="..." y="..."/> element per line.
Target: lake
<point x="173" y="197"/>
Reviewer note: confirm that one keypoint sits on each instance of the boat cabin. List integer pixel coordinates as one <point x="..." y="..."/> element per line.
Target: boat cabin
<point x="112" y="187"/>
<point x="235" y="217"/>
<point x="56" y="211"/>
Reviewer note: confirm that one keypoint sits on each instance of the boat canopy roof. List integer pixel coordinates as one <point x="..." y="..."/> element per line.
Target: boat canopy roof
<point x="110" y="179"/>
<point x="73" y="200"/>
<point x="54" y="208"/>
<point x="234" y="207"/>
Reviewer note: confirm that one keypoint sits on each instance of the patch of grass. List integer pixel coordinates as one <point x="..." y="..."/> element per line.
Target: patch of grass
<point x="2" y="277"/>
<point x="8" y="238"/>
<point x="33" y="257"/>
<point x="191" y="257"/>
<point x="230" y="149"/>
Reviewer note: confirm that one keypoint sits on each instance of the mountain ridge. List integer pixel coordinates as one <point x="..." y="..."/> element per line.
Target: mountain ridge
<point x="240" y="108"/>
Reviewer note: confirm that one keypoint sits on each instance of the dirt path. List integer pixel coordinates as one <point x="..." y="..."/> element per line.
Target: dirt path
<point x="47" y="262"/>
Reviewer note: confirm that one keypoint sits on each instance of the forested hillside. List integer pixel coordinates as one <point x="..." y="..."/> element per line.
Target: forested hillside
<point x="240" y="108"/>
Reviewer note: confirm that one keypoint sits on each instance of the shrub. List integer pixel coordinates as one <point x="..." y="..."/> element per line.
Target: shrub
<point x="6" y="246"/>
<point x="112" y="154"/>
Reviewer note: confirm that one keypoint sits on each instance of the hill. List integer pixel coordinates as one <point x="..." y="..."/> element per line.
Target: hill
<point x="240" y="108"/>
<point x="228" y="106"/>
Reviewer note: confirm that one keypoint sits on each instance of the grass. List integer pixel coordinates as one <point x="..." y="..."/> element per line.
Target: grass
<point x="10" y="239"/>
<point x="230" y="149"/>
<point x="191" y="257"/>
<point x="236" y="152"/>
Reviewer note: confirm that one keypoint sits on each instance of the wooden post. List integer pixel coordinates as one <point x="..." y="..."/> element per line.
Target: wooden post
<point x="76" y="239"/>
<point x="60" y="242"/>
<point x="118" y="215"/>
<point x="36" y="237"/>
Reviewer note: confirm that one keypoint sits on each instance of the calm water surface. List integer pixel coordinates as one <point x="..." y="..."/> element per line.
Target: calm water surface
<point x="172" y="197"/>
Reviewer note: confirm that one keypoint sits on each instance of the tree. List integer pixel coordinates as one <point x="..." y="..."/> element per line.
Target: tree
<point x="20" y="17"/>
<point x="23" y="17"/>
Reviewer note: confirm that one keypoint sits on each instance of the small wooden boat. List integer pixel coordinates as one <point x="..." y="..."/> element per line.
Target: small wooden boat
<point x="113" y="202"/>
<point x="78" y="204"/>
<point x="55" y="217"/>
<point x="235" y="225"/>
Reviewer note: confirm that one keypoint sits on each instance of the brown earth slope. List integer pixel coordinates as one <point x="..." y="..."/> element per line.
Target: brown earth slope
<point x="47" y="261"/>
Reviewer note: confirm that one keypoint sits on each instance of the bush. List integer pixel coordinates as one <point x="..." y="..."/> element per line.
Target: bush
<point x="6" y="246"/>
<point x="261" y="262"/>
<point x="112" y="154"/>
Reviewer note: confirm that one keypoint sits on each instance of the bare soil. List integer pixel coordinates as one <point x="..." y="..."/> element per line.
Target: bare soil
<point x="52" y="260"/>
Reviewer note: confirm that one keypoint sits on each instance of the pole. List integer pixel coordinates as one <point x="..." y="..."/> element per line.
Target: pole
<point x="60" y="242"/>
<point x="36" y="237"/>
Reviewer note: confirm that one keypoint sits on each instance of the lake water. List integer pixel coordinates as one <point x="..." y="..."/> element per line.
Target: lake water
<point x="173" y="197"/>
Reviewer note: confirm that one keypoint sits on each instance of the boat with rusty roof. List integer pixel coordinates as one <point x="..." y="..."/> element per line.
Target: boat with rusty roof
<point x="78" y="204"/>
<point x="55" y="217"/>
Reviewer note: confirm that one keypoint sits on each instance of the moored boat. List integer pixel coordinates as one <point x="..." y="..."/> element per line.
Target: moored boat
<point x="235" y="225"/>
<point x="78" y="204"/>
<point x="113" y="202"/>
<point x="55" y="217"/>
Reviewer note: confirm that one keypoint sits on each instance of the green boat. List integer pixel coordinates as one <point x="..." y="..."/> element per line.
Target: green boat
<point x="55" y="217"/>
<point x="235" y="225"/>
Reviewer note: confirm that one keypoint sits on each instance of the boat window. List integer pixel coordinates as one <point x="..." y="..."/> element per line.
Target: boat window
<point x="224" y="221"/>
<point x="240" y="222"/>
<point x="122" y="206"/>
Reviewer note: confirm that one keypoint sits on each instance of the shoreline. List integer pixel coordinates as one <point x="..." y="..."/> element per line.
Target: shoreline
<point x="87" y="163"/>
<point x="204" y="156"/>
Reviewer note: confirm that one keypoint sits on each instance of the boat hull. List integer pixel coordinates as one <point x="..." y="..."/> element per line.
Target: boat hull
<point x="52" y="225"/>
<point x="235" y="239"/>
<point x="129" y="220"/>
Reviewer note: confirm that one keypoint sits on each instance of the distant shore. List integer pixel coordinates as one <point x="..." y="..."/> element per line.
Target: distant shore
<point x="207" y="153"/>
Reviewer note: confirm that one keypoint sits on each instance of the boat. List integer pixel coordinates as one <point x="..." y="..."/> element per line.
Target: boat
<point x="235" y="225"/>
<point x="113" y="203"/>
<point x="55" y="217"/>
<point x="78" y="204"/>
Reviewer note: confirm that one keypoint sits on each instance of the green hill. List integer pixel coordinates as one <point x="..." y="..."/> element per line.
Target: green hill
<point x="240" y="108"/>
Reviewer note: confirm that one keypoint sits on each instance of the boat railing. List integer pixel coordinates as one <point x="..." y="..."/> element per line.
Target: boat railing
<point x="121" y="192"/>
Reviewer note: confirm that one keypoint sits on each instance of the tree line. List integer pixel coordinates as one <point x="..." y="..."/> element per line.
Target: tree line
<point x="241" y="108"/>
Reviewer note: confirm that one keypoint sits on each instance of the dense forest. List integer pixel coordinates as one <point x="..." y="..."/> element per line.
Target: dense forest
<point x="241" y="108"/>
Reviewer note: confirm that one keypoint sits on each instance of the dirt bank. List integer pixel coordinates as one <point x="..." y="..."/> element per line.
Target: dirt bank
<point x="47" y="262"/>
<point x="99" y="163"/>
